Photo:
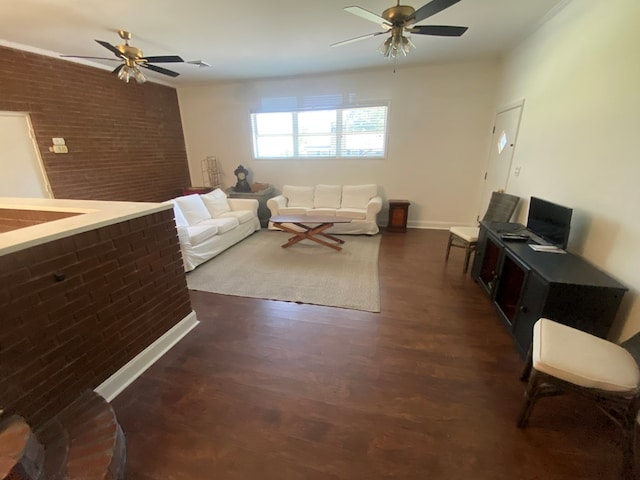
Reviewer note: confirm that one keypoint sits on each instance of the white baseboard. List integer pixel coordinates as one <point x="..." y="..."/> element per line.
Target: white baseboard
<point x="116" y="383"/>
<point x="431" y="225"/>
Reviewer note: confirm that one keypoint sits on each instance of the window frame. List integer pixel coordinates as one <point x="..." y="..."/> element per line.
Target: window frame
<point x="338" y="134"/>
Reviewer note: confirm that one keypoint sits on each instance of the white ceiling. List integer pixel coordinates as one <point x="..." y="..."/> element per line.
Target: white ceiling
<point x="248" y="39"/>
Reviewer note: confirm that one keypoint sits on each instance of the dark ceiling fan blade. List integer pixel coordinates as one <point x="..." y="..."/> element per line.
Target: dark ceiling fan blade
<point x="431" y="8"/>
<point x="155" y="68"/>
<point x="94" y="58"/>
<point x="355" y="39"/>
<point x="163" y="59"/>
<point x="110" y="47"/>
<point x="117" y="69"/>
<point x="438" y="30"/>
<point x="366" y="14"/>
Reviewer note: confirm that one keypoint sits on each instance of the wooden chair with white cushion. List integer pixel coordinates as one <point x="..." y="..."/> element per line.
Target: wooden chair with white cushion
<point x="564" y="359"/>
<point x="501" y="208"/>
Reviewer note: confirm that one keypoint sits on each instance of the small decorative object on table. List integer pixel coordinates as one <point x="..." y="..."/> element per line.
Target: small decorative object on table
<point x="398" y="214"/>
<point x="242" y="185"/>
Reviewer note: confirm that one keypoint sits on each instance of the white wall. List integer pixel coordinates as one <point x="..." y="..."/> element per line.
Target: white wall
<point x="578" y="141"/>
<point x="439" y="131"/>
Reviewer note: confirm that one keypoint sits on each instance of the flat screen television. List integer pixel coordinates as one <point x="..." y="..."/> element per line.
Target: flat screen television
<point x="550" y="221"/>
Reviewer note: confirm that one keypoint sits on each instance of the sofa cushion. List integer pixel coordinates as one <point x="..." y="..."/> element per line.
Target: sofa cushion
<point x="200" y="233"/>
<point x="177" y="214"/>
<point x="216" y="202"/>
<point x="243" y="216"/>
<point x="223" y="224"/>
<point x="293" y="211"/>
<point x="327" y="196"/>
<point x="298" y="196"/>
<point x="354" y="213"/>
<point x="325" y="212"/>
<point x="357" y="196"/>
<point x="193" y="209"/>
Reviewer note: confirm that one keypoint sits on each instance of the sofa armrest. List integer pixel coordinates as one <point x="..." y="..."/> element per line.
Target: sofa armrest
<point x="183" y="235"/>
<point x="373" y="208"/>
<point x="274" y="204"/>
<point x="243" y="204"/>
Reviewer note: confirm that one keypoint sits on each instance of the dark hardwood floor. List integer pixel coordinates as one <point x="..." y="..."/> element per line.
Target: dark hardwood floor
<point x="426" y="389"/>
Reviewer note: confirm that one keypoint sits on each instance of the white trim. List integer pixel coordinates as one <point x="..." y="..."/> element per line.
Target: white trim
<point x="432" y="225"/>
<point x="116" y="383"/>
<point x="510" y="106"/>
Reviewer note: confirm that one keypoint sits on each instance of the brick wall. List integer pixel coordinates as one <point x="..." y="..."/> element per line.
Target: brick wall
<point x="125" y="140"/>
<point x="123" y="287"/>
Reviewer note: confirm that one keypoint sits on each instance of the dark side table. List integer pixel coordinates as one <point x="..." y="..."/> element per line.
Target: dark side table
<point x="398" y="214"/>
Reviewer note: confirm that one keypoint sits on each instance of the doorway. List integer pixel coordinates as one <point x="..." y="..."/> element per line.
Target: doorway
<point x="23" y="173"/>
<point x="503" y="142"/>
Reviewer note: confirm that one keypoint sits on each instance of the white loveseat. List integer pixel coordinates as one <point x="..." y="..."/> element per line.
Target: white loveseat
<point x="209" y="224"/>
<point x="360" y="203"/>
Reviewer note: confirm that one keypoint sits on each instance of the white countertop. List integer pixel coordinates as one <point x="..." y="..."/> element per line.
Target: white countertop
<point x="96" y="214"/>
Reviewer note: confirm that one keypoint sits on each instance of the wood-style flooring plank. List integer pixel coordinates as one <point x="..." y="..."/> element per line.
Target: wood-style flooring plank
<point x="426" y="389"/>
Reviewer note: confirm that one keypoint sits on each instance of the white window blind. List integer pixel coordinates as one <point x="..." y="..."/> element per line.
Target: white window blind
<point x="347" y="132"/>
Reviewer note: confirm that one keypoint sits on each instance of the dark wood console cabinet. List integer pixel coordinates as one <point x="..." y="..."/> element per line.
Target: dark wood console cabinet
<point x="526" y="285"/>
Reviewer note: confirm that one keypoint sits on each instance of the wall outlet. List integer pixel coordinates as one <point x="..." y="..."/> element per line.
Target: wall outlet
<point x="60" y="149"/>
<point x="58" y="141"/>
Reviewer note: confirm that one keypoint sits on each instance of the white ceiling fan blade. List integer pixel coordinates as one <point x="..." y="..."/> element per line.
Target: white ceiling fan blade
<point x="361" y="37"/>
<point x="367" y="15"/>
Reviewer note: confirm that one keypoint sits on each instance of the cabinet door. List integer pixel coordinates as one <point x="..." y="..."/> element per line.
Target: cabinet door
<point x="534" y="297"/>
<point x="488" y="264"/>
<point x="511" y="281"/>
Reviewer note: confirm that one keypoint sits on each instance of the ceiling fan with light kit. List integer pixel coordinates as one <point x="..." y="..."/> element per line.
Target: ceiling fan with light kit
<point x="402" y="19"/>
<point x="132" y="59"/>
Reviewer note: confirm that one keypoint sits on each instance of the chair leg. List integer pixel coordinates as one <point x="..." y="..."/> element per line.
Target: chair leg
<point x="528" y="364"/>
<point x="629" y="427"/>
<point x="467" y="255"/>
<point x="446" y="259"/>
<point x="530" y="397"/>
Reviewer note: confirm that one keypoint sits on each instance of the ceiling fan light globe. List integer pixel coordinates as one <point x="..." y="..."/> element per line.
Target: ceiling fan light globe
<point x="124" y="74"/>
<point x="140" y="78"/>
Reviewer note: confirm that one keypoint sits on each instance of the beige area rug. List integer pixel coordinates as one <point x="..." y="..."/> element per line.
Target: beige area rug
<point x="306" y="272"/>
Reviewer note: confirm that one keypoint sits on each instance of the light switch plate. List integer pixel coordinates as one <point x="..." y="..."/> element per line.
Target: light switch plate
<point x="58" y="141"/>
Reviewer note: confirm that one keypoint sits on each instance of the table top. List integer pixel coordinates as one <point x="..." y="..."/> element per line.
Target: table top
<point x="308" y="219"/>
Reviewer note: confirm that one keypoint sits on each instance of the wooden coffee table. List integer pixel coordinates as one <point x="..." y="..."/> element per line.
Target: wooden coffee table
<point x="313" y="227"/>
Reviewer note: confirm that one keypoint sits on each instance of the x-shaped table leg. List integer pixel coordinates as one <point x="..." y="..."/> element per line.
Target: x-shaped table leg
<point x="311" y="233"/>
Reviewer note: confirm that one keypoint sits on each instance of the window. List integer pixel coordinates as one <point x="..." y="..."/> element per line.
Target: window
<point x="328" y="133"/>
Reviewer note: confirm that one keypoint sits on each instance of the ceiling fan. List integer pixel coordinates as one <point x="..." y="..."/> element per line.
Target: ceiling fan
<point x="132" y="58"/>
<point x="401" y="19"/>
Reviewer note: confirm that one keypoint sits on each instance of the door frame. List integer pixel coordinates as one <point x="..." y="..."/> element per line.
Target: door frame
<point x="515" y="104"/>
<point x="32" y="136"/>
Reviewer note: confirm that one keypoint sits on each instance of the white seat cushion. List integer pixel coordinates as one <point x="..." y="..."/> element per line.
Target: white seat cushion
<point x="327" y="196"/>
<point x="243" y="216"/>
<point x="223" y="224"/>
<point x="325" y="212"/>
<point x="293" y="211"/>
<point x="355" y="213"/>
<point x="468" y="234"/>
<point x="193" y="209"/>
<point x="216" y="202"/>
<point x="357" y="196"/>
<point x="582" y="359"/>
<point x="298" y="196"/>
<point x="199" y="233"/>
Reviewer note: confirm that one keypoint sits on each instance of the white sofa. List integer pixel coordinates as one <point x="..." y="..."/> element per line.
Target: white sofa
<point x="360" y="203"/>
<point x="209" y="224"/>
